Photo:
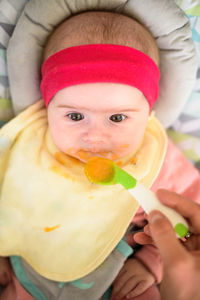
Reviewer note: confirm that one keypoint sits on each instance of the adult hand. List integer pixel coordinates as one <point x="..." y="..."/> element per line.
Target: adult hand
<point x="181" y="260"/>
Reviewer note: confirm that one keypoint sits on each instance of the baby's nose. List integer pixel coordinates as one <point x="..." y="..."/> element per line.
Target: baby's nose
<point x="95" y="137"/>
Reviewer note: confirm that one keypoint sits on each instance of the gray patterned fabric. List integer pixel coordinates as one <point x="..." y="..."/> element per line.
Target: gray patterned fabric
<point x="10" y="10"/>
<point x="185" y="132"/>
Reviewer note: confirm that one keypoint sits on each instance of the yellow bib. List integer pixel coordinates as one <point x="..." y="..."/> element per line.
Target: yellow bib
<point x="50" y="214"/>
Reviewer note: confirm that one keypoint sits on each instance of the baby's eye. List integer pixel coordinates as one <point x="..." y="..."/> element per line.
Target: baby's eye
<point x="75" y="116"/>
<point x="117" y="118"/>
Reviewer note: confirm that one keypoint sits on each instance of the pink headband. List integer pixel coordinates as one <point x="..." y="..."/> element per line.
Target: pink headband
<point x="100" y="63"/>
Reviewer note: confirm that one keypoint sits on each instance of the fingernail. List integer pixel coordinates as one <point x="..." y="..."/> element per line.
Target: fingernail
<point x="155" y="216"/>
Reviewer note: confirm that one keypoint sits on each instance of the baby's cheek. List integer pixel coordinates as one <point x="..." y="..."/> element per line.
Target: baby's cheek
<point x="130" y="144"/>
<point x="61" y="140"/>
<point x="122" y="148"/>
<point x="136" y="137"/>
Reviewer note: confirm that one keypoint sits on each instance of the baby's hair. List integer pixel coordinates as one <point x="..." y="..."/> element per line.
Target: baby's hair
<point x="100" y="27"/>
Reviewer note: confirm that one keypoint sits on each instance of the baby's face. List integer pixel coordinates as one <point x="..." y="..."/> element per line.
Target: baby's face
<point x="98" y="119"/>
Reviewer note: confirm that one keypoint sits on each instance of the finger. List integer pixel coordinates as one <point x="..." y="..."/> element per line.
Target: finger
<point x="147" y="230"/>
<point x="142" y="238"/>
<point x="121" y="272"/>
<point x="184" y="206"/>
<point x="163" y="235"/>
<point x="118" y="283"/>
<point x="138" y="290"/>
<point x="129" y="285"/>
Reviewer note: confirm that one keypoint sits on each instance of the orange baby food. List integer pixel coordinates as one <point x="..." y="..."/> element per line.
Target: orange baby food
<point x="48" y="229"/>
<point x="99" y="169"/>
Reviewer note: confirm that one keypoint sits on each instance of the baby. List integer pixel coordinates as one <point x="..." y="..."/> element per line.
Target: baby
<point x="86" y="120"/>
<point x="105" y="113"/>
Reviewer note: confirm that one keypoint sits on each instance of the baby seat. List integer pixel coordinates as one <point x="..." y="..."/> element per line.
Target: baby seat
<point x="33" y="20"/>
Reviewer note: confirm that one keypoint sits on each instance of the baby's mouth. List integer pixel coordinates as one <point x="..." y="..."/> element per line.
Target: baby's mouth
<point x="84" y="154"/>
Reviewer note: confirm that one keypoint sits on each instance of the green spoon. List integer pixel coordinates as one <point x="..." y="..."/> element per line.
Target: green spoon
<point x="103" y="171"/>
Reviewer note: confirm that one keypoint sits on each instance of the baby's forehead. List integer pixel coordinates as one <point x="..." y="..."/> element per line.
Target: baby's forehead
<point x="98" y="27"/>
<point x="102" y="97"/>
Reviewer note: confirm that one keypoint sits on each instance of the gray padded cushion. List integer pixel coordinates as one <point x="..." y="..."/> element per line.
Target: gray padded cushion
<point x="167" y="22"/>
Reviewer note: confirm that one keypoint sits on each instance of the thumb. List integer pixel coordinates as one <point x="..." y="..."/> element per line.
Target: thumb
<point x="164" y="236"/>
